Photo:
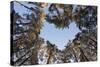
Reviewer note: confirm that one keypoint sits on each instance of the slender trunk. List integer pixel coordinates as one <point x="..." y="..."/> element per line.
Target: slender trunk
<point x="34" y="58"/>
<point x="74" y="55"/>
<point x="50" y="53"/>
<point x="82" y="56"/>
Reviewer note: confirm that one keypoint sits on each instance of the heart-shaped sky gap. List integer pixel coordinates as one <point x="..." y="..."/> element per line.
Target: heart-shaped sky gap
<point x="59" y="37"/>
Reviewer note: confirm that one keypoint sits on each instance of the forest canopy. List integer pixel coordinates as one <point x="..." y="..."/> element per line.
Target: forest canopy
<point x="28" y="48"/>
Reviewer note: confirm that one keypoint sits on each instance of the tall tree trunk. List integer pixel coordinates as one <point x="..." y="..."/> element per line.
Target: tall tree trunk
<point x="50" y="55"/>
<point x="76" y="59"/>
<point x="34" y="58"/>
<point x="82" y="56"/>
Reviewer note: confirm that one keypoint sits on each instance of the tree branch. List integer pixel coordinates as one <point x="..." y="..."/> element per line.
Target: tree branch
<point x="25" y="6"/>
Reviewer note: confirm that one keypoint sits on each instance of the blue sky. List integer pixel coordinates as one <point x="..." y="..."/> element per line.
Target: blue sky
<point x="60" y="37"/>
